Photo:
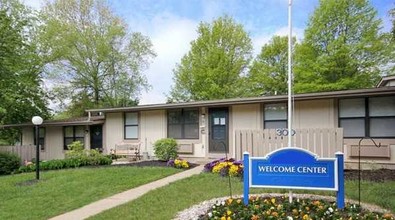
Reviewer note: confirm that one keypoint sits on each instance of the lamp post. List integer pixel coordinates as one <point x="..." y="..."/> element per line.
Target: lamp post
<point x="37" y="121"/>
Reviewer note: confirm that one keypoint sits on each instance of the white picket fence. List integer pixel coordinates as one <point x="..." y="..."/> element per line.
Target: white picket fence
<point x="322" y="141"/>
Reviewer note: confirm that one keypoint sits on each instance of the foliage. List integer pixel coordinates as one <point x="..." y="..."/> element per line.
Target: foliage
<point x="8" y="163"/>
<point x="20" y="68"/>
<point x="22" y="196"/>
<point x="178" y="163"/>
<point x="342" y="48"/>
<point x="166" y="149"/>
<point x="225" y="167"/>
<point x="215" y="66"/>
<point x="269" y="71"/>
<point x="93" y="158"/>
<point x="280" y="208"/>
<point x="92" y="54"/>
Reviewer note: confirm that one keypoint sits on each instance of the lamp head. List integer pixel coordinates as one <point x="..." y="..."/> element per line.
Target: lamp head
<point x="37" y="120"/>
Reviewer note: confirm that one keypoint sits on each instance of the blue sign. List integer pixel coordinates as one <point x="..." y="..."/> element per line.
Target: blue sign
<point x="294" y="168"/>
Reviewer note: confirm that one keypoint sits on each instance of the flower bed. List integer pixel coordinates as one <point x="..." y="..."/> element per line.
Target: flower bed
<point x="178" y="163"/>
<point x="225" y="167"/>
<point x="280" y="208"/>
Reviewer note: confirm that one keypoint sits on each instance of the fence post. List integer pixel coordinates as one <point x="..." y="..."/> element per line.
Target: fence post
<point x="340" y="178"/>
<point x="246" y="176"/>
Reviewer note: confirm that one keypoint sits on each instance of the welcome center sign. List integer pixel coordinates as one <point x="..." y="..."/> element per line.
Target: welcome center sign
<point x="295" y="168"/>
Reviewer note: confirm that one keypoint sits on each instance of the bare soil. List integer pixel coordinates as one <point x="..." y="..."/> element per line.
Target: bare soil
<point x="379" y="175"/>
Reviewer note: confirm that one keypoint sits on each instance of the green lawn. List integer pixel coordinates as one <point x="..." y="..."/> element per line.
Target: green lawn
<point x="165" y="202"/>
<point x="64" y="190"/>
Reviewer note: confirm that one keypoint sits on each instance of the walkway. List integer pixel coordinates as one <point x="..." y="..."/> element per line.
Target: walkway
<point x="124" y="197"/>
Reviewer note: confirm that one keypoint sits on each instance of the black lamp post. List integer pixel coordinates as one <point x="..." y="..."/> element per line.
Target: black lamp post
<point x="37" y="121"/>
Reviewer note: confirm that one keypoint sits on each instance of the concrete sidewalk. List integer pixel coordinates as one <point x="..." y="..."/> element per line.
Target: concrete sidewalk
<point x="124" y="197"/>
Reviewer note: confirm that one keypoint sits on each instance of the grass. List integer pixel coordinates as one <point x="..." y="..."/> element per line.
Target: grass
<point x="64" y="190"/>
<point x="165" y="202"/>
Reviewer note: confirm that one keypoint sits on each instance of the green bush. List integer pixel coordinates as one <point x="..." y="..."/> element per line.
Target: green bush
<point x="9" y="163"/>
<point x="77" y="156"/>
<point x="166" y="149"/>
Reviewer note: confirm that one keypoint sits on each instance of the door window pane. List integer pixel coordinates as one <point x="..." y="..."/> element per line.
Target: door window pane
<point x="352" y="108"/>
<point x="382" y="127"/>
<point x="353" y="127"/>
<point x="382" y="106"/>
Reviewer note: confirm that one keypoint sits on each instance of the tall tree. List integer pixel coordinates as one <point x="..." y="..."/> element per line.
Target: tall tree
<point x="342" y="48"/>
<point x="215" y="66"/>
<point x="269" y="71"/>
<point x="21" y="96"/>
<point x="91" y="52"/>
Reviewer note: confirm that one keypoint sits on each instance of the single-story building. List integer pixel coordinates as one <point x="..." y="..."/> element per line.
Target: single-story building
<point x="338" y="120"/>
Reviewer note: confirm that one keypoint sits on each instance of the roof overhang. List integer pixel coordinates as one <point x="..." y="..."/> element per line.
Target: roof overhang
<point x="86" y="121"/>
<point x="253" y="100"/>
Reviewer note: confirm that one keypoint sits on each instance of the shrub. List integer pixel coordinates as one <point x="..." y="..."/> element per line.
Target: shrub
<point x="8" y="163"/>
<point x="166" y="149"/>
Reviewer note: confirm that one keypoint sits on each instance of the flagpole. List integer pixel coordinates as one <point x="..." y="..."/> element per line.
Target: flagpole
<point x="290" y="82"/>
<point x="290" y="74"/>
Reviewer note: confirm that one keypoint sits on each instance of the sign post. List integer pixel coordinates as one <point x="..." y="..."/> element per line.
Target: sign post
<point x="294" y="168"/>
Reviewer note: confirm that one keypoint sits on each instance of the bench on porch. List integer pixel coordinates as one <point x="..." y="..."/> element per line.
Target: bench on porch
<point x="130" y="150"/>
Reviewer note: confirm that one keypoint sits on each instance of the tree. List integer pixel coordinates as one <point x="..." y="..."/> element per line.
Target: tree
<point x="392" y="14"/>
<point x="90" y="51"/>
<point x="21" y="96"/>
<point x="269" y="71"/>
<point x="215" y="66"/>
<point x="342" y="48"/>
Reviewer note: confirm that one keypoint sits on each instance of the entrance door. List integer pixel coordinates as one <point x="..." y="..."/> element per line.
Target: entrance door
<point x="219" y="130"/>
<point x="96" y="137"/>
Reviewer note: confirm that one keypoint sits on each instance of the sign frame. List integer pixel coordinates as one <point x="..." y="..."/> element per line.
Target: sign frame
<point x="331" y="181"/>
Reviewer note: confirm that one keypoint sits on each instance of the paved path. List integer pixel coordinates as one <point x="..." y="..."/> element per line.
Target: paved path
<point x="124" y="197"/>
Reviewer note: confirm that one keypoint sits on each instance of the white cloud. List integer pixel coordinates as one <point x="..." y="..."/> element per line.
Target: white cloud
<point x="171" y="37"/>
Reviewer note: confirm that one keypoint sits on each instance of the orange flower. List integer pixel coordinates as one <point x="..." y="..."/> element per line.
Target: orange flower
<point x="275" y="214"/>
<point x="255" y="217"/>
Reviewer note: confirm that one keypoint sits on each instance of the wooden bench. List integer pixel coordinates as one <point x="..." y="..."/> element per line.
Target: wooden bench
<point x="130" y="150"/>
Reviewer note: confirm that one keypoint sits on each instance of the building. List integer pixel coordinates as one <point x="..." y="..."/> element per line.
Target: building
<point x="204" y="129"/>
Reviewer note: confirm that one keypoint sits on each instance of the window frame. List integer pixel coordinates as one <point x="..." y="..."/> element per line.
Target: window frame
<point x="367" y="118"/>
<point x="131" y="125"/>
<point x="74" y="137"/>
<point x="40" y="139"/>
<point x="183" y="122"/>
<point x="275" y="120"/>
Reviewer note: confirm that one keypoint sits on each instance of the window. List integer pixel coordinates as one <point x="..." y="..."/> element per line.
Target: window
<point x="73" y="133"/>
<point x="131" y="125"/>
<point x="275" y="116"/>
<point x="41" y="137"/>
<point x="367" y="117"/>
<point x="183" y="124"/>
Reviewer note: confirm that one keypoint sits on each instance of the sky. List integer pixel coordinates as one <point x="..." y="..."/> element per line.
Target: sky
<point x="171" y="26"/>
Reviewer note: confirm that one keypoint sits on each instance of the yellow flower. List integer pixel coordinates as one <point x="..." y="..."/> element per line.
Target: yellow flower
<point x="229" y="218"/>
<point x="275" y="214"/>
<point x="306" y="217"/>
<point x="307" y="208"/>
<point x="223" y="218"/>
<point x="273" y="200"/>
<point x="229" y="212"/>
<point x="295" y="212"/>
<point x="238" y="201"/>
